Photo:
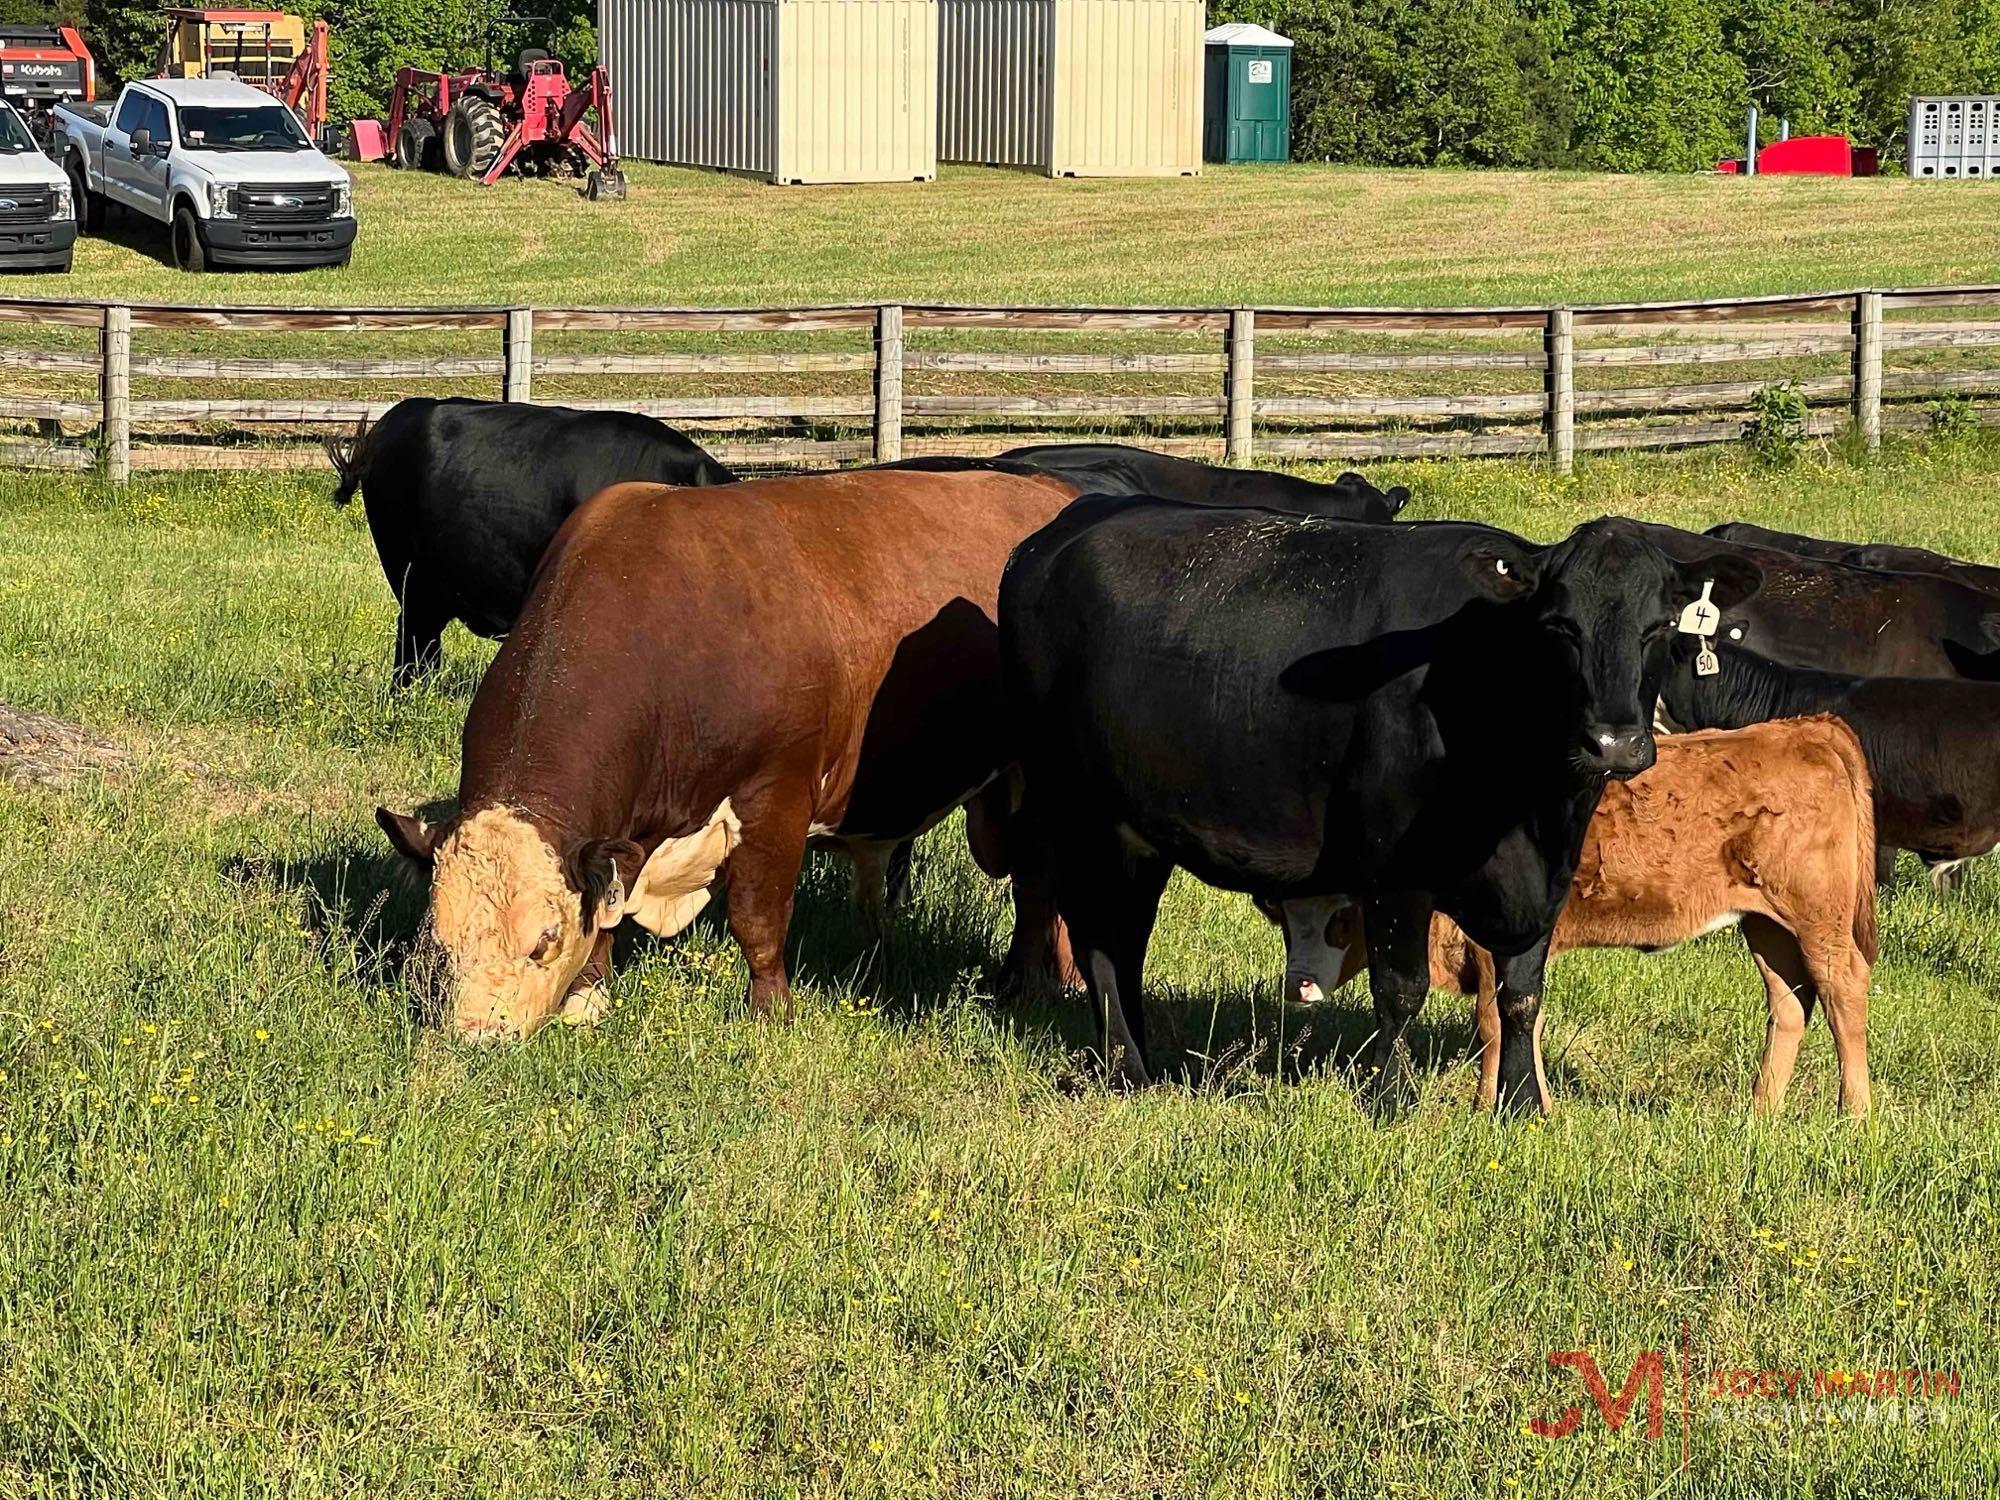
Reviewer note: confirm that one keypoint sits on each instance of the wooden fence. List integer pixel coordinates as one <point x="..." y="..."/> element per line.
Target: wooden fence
<point x="885" y="381"/>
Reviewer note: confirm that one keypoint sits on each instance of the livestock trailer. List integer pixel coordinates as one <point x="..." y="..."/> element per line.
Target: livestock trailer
<point x="1247" y="111"/>
<point x="1072" y="88"/>
<point x="1955" y="137"/>
<point x="786" y="90"/>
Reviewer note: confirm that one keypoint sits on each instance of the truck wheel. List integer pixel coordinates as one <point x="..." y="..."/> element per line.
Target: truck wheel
<point x="416" y="146"/>
<point x="189" y="253"/>
<point x="473" y="136"/>
<point x="89" y="208"/>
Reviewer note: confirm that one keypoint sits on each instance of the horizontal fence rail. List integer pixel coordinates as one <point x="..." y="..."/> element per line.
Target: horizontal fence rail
<point x="138" y="387"/>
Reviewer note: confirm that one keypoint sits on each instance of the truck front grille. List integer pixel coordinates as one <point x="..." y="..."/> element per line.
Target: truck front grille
<point x="284" y="205"/>
<point x="26" y="205"/>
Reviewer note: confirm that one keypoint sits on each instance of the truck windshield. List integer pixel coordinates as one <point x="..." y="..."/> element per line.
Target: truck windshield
<point x="252" y="127"/>
<point x="14" y="137"/>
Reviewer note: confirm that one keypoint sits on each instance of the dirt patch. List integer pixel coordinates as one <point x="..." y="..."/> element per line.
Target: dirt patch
<point x="42" y="750"/>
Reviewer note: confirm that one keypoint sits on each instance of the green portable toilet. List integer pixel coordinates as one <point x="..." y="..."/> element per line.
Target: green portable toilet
<point x="1248" y="112"/>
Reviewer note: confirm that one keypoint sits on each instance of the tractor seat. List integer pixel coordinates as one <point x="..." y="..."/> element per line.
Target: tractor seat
<point x="525" y="62"/>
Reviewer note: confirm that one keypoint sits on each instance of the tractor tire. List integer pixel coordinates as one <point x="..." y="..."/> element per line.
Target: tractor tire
<point x="473" y="136"/>
<point x="605" y="186"/>
<point x="416" y="146"/>
<point x="185" y="237"/>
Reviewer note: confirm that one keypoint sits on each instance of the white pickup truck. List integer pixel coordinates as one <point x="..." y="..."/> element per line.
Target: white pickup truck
<point x="226" y="167"/>
<point x="37" y="212"/>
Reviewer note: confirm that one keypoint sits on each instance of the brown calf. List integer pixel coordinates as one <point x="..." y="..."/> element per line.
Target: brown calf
<point x="1772" y="827"/>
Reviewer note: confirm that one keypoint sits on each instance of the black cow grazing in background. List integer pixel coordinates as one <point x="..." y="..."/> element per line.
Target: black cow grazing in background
<point x="1115" y="469"/>
<point x="463" y="497"/>
<point x="1813" y="613"/>
<point x="1887" y="556"/>
<point x="1418" y="718"/>
<point x="1933" y="744"/>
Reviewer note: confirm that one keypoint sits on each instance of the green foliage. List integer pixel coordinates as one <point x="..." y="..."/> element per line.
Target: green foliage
<point x="1630" y="85"/>
<point x="1776" y="430"/>
<point x="1952" y="416"/>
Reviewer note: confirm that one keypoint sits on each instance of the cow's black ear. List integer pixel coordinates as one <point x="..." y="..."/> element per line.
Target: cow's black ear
<point x="1736" y="579"/>
<point x="1500" y="572"/>
<point x="413" y="838"/>
<point x="604" y="871"/>
<point x="1398" y="498"/>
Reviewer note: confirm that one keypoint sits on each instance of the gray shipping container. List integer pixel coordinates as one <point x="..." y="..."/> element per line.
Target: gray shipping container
<point x="786" y="90"/>
<point x="1955" y="136"/>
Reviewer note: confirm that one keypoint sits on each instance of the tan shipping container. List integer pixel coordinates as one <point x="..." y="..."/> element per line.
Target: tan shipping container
<point x="786" y="90"/>
<point x="1073" y="88"/>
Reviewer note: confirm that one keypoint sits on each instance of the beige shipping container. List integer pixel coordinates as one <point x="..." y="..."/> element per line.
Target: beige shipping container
<point x="1073" y="88"/>
<point x="786" y="90"/>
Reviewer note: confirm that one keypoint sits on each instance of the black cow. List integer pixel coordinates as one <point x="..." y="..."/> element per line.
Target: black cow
<point x="1887" y="556"/>
<point x="1116" y="469"/>
<point x="1412" y="717"/>
<point x="1930" y="743"/>
<point x="1812" y="613"/>
<point x="463" y="496"/>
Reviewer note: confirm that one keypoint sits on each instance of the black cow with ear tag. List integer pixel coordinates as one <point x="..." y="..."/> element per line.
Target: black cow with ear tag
<point x="1407" y="717"/>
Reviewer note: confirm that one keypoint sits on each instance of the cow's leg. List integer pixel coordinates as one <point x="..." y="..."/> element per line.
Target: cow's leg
<point x="1885" y="863"/>
<point x="420" y="623"/>
<point x="872" y="864"/>
<point x="1522" y="1085"/>
<point x="1791" y="995"/>
<point x="1004" y="844"/>
<point x="1486" y="1020"/>
<point x="763" y="874"/>
<point x="1840" y="973"/>
<point x="1110" y="895"/>
<point x="896" y="877"/>
<point x="1399" y="976"/>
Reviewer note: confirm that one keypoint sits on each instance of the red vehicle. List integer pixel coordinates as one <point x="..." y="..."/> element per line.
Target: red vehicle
<point x="42" y="66"/>
<point x="479" y="123"/>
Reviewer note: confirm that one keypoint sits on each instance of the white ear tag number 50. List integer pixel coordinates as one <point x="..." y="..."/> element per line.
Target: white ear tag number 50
<point x="1700" y="620"/>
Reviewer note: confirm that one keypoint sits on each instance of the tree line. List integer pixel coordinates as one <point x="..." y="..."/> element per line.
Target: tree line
<point x="1624" y="85"/>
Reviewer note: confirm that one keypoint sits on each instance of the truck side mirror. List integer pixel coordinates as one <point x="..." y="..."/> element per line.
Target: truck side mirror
<point x="142" y="142"/>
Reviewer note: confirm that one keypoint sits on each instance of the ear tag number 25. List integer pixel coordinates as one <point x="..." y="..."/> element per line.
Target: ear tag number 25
<point x="1700" y="620"/>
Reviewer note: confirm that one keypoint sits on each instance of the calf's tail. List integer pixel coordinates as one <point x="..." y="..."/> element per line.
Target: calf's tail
<point x="1848" y="748"/>
<point x="350" y="460"/>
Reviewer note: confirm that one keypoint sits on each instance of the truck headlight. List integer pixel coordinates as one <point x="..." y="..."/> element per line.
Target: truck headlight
<point x="343" y="200"/>
<point x="219" y="206"/>
<point x="64" y="206"/>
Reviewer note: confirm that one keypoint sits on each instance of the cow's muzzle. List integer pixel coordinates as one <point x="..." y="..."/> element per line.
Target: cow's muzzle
<point x="1618" y="751"/>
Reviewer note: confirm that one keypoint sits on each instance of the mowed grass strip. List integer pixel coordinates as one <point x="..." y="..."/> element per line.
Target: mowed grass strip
<point x="262" y="1233"/>
<point x="1309" y="234"/>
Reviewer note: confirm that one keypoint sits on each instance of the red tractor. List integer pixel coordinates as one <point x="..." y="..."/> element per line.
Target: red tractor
<point x="478" y="123"/>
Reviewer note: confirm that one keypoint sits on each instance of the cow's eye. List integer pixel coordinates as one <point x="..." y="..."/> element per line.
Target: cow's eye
<point x="545" y="945"/>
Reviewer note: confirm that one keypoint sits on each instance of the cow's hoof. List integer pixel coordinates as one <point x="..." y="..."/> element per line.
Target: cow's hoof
<point x="1390" y="1083"/>
<point x="587" y="1006"/>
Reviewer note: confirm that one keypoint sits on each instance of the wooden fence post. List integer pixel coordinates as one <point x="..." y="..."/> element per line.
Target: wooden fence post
<point x="888" y="383"/>
<point x="517" y="379"/>
<point x="1238" y="435"/>
<point x="115" y="393"/>
<point x="1868" y="368"/>
<point x="1559" y="386"/>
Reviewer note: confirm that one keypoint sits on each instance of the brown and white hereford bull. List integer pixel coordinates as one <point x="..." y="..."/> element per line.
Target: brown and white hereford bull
<point x="708" y="678"/>
<point x="1771" y="827"/>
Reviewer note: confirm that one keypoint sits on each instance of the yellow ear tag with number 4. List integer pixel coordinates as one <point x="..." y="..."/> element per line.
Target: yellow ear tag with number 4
<point x="1700" y="620"/>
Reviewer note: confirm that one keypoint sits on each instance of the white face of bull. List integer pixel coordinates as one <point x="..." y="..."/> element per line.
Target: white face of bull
<point x="511" y="927"/>
<point x="514" y="921"/>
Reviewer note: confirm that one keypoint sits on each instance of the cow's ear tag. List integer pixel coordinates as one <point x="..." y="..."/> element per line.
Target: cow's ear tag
<point x="1701" y="617"/>
<point x="1706" y="663"/>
